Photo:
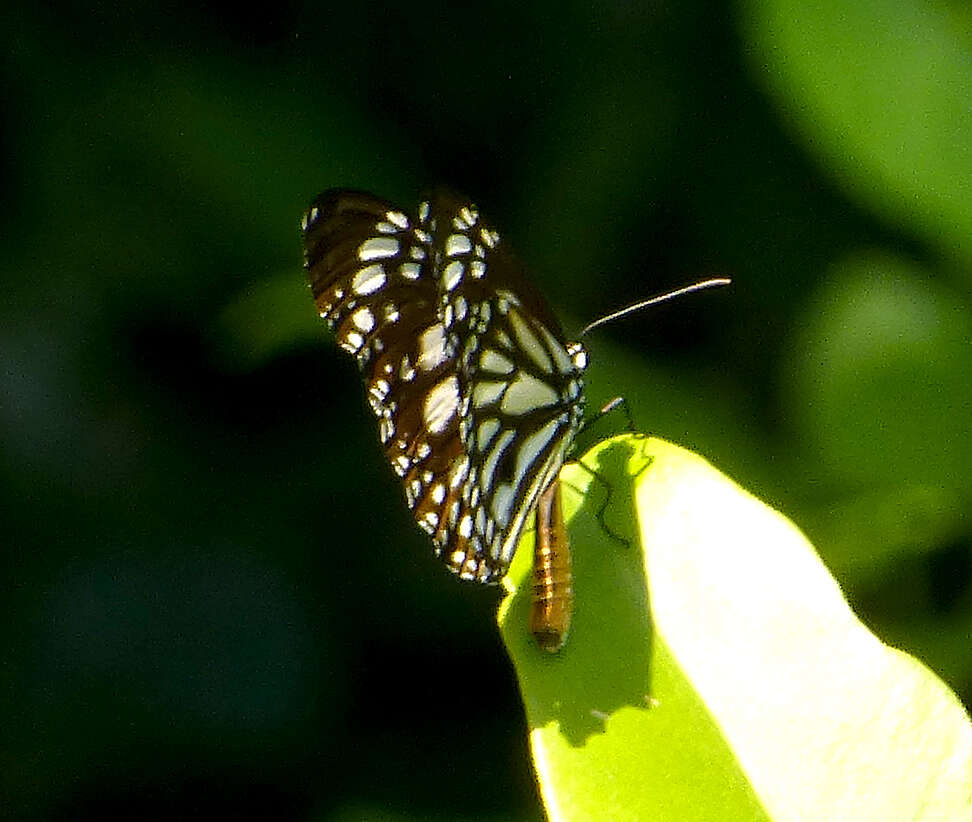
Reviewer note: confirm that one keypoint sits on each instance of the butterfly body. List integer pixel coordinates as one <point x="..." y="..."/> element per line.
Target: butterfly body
<point x="478" y="397"/>
<point x="553" y="595"/>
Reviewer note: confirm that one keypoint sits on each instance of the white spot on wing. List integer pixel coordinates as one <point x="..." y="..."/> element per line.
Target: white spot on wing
<point x="492" y="360"/>
<point x="380" y="389"/>
<point x="378" y="248"/>
<point x="440" y="405"/>
<point x="410" y="271"/>
<point x="459" y="471"/>
<point x="487" y="430"/>
<point x="406" y="371"/>
<point x="526" y="393"/>
<point x="401" y="464"/>
<point x="457" y="244"/>
<point x="352" y="342"/>
<point x="452" y="275"/>
<point x="397" y="218"/>
<point x="368" y="280"/>
<point x="432" y="348"/>
<point x="487" y="392"/>
<point x="363" y="319"/>
<point x="500" y="504"/>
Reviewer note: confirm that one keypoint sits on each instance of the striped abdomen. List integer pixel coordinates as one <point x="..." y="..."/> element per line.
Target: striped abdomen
<point x="553" y="596"/>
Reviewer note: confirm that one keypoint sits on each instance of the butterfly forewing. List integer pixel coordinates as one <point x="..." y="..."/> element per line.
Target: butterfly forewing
<point x="371" y="276"/>
<point x="477" y="395"/>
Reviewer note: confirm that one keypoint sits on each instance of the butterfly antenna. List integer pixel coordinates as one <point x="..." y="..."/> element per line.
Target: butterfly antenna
<point x="661" y="298"/>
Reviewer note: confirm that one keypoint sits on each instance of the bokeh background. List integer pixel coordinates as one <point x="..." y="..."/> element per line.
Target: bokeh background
<point x="213" y="598"/>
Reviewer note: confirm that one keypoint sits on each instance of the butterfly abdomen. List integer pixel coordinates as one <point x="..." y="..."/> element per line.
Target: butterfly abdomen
<point x="553" y="595"/>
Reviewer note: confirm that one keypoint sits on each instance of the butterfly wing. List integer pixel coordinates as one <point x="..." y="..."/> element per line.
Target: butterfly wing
<point x="476" y="395"/>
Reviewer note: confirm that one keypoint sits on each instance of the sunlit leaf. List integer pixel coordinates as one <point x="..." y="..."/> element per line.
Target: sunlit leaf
<point x="715" y="671"/>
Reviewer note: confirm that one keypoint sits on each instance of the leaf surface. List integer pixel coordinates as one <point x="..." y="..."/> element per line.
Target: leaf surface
<point x="714" y="669"/>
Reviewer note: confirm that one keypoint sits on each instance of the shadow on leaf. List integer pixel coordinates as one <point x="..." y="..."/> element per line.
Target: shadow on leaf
<point x="605" y="664"/>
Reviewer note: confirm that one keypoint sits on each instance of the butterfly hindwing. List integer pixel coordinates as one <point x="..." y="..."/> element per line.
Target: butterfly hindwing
<point x="520" y="381"/>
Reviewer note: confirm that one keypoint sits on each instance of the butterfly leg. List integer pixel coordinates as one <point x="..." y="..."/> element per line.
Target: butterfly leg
<point x="608" y="408"/>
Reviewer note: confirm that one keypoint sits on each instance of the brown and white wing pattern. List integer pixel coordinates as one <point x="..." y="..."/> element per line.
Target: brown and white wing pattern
<point x="478" y="397"/>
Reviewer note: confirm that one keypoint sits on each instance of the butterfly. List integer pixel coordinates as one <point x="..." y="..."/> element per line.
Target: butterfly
<point x="477" y="393"/>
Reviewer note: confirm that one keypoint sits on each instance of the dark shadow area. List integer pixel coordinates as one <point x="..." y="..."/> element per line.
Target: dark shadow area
<point x="606" y="662"/>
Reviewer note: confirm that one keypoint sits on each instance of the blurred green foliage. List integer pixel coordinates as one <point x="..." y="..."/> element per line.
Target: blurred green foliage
<point x="214" y="599"/>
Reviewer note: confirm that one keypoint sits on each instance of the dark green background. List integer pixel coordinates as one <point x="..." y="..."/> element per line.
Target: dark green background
<point x="213" y="598"/>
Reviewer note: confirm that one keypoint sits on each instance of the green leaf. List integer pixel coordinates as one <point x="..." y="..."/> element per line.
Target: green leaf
<point x="882" y="334"/>
<point x="880" y="91"/>
<point x="714" y="669"/>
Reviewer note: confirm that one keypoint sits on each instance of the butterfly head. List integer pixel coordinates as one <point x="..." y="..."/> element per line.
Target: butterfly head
<point x="577" y="354"/>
